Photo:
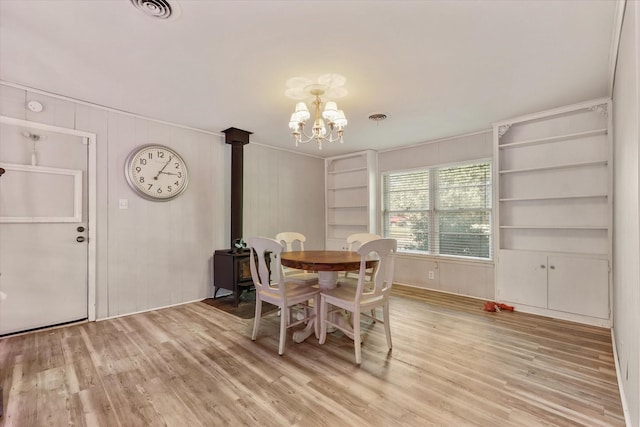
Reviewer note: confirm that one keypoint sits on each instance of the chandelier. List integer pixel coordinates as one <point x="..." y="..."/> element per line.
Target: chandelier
<point x="335" y="119"/>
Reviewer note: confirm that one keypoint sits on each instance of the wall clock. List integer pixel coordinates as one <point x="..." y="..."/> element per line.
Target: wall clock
<point x="156" y="172"/>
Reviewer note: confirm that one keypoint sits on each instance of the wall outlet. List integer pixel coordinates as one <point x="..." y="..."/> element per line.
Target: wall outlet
<point x="431" y="275"/>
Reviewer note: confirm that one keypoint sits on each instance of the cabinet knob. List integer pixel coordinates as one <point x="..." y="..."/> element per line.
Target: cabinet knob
<point x="552" y="267"/>
<point x="543" y="266"/>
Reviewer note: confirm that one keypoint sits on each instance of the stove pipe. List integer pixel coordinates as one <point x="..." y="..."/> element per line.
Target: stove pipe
<point x="237" y="138"/>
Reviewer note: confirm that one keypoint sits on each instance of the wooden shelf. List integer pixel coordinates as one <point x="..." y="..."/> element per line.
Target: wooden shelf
<point x="539" y="198"/>
<point x="551" y="139"/>
<point x="348" y="207"/>
<point x="562" y="166"/>
<point x="346" y="171"/>
<point x="350" y="187"/>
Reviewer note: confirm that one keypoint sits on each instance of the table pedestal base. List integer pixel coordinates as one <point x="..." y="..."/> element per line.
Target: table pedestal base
<point x="326" y="280"/>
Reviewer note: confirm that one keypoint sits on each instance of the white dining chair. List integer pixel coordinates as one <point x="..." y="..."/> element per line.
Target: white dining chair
<point x="273" y="287"/>
<point x="295" y="241"/>
<point x="367" y="295"/>
<point x="354" y="241"/>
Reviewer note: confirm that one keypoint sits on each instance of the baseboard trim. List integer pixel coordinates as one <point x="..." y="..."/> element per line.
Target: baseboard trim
<point x="148" y="310"/>
<point x="623" y="398"/>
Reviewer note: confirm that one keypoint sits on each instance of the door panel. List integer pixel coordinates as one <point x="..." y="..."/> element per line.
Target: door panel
<point x="43" y="267"/>
<point x="522" y="277"/>
<point x="579" y="285"/>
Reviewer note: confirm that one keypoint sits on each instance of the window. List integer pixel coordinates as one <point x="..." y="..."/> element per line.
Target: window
<point x="440" y="211"/>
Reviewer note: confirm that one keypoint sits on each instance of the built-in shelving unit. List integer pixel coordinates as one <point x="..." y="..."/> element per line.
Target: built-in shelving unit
<point x="350" y="197"/>
<point x="554" y="212"/>
<point x="558" y="138"/>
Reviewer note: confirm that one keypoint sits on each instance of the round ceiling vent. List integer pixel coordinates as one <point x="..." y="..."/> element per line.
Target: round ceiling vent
<point x="377" y="117"/>
<point x="158" y="9"/>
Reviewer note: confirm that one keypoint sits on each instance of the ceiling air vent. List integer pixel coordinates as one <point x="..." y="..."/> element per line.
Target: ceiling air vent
<point x="158" y="9"/>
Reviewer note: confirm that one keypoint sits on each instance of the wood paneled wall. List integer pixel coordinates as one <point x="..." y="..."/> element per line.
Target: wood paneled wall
<point x="155" y="254"/>
<point x="626" y="207"/>
<point x="283" y="191"/>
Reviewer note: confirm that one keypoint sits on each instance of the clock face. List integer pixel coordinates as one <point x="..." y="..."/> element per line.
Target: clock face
<point x="156" y="172"/>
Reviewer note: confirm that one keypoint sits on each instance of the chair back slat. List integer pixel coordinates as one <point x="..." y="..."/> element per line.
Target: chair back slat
<point x="384" y="250"/>
<point x="292" y="240"/>
<point x="265" y="278"/>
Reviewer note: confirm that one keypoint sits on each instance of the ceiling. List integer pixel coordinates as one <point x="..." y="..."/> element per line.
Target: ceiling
<point x="436" y="68"/>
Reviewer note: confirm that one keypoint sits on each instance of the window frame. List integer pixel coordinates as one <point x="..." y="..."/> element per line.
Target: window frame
<point x="433" y="212"/>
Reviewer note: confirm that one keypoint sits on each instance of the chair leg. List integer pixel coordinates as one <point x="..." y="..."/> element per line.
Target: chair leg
<point x="356" y="335"/>
<point x="323" y="324"/>
<point x="316" y="312"/>
<point x="387" y="327"/>
<point x="256" y="318"/>
<point x="284" y="319"/>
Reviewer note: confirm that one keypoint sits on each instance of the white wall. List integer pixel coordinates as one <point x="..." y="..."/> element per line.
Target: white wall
<point x="283" y="191"/>
<point x="155" y="254"/>
<point x="626" y="237"/>
<point x="471" y="278"/>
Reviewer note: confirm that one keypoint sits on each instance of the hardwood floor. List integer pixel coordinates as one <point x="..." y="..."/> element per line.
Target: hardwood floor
<point x="452" y="364"/>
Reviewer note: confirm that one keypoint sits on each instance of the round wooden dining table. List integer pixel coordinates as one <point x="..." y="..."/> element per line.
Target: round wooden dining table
<point x="327" y="264"/>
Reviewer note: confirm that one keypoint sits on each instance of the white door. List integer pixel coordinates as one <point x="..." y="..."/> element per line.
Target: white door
<point x="43" y="228"/>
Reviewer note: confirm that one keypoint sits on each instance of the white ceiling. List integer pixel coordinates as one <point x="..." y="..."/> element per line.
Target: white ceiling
<point x="436" y="68"/>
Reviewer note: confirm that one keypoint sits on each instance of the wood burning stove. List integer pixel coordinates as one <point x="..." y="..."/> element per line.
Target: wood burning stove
<point x="231" y="268"/>
<point x="231" y="271"/>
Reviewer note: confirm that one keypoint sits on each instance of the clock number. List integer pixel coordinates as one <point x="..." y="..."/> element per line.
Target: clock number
<point x="150" y="154"/>
<point x="161" y="154"/>
<point x="150" y="185"/>
<point x="143" y="161"/>
<point x="177" y="165"/>
<point x="177" y="183"/>
<point x="138" y="169"/>
<point x="159" y="190"/>
<point x="142" y="179"/>
<point x="179" y="174"/>
<point x="169" y="189"/>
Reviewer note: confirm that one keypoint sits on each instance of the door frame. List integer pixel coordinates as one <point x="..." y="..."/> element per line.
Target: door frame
<point x="90" y="140"/>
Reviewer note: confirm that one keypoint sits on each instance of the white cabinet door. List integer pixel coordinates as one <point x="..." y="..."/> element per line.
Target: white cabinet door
<point x="522" y="277"/>
<point x="579" y="285"/>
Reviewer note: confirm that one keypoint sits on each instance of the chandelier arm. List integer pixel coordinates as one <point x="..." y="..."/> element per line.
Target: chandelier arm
<point x="330" y="137"/>
<point x="299" y="130"/>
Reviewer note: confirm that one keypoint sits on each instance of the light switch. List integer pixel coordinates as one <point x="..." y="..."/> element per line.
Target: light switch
<point x="123" y="204"/>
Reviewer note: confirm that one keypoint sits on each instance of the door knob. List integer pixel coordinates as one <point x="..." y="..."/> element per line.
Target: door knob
<point x="80" y="239"/>
<point x="80" y="229"/>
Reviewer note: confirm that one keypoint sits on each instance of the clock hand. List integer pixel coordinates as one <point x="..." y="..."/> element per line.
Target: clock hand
<point x="167" y="173"/>
<point x="160" y="171"/>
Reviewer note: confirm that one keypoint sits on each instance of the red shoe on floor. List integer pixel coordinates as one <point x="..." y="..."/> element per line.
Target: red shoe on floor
<point x="493" y="306"/>
<point x="505" y="307"/>
<point x="490" y="306"/>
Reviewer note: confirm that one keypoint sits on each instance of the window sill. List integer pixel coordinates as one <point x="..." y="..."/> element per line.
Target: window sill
<point x="446" y="258"/>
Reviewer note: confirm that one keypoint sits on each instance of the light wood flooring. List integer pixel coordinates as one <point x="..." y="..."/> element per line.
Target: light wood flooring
<point x="193" y="365"/>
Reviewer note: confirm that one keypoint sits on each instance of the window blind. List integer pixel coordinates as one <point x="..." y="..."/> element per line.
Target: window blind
<point x="445" y="210"/>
